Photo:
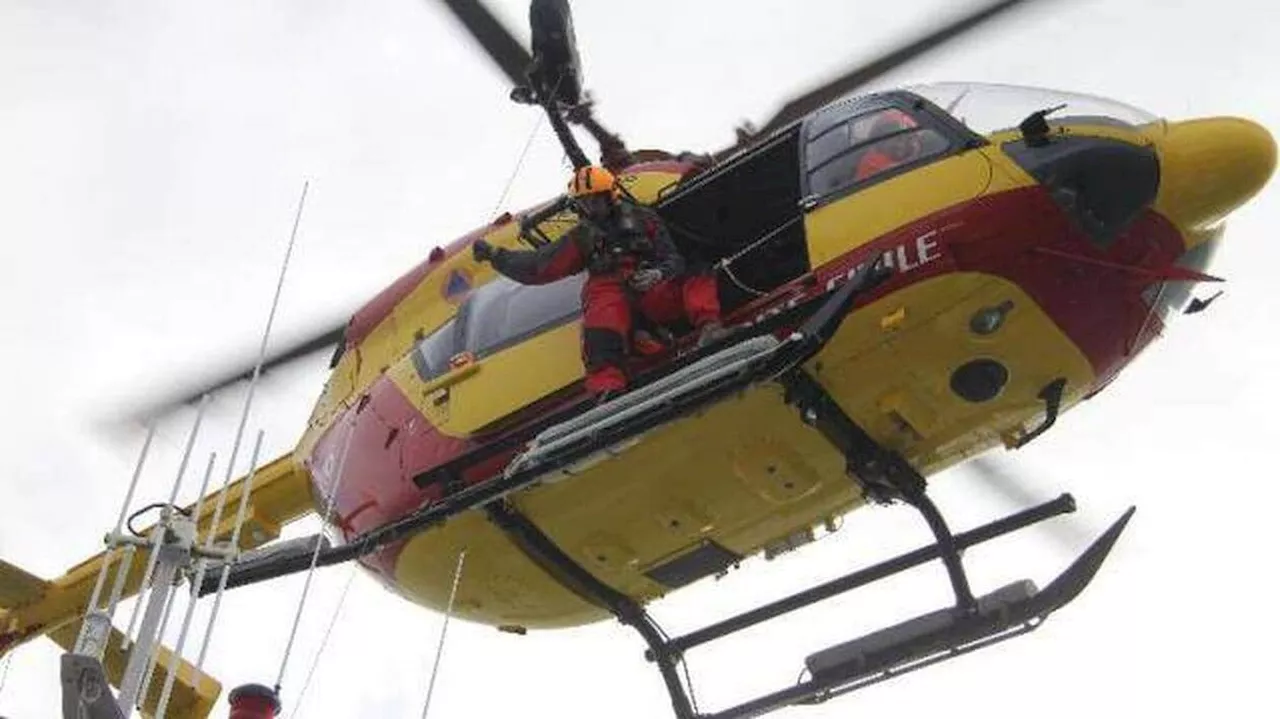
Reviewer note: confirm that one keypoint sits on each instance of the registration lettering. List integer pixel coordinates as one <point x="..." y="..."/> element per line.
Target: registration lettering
<point x="905" y="257"/>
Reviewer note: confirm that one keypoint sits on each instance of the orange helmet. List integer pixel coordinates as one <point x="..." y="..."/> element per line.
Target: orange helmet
<point x="592" y="180"/>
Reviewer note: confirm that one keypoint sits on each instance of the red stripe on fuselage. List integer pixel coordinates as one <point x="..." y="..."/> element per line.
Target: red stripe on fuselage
<point x="1093" y="293"/>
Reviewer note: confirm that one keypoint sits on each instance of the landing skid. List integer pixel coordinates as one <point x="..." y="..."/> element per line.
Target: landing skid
<point x="971" y="623"/>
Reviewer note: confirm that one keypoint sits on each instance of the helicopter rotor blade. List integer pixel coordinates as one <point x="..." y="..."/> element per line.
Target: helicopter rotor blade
<point x="164" y="404"/>
<point x="863" y="74"/>
<point x="495" y="38"/>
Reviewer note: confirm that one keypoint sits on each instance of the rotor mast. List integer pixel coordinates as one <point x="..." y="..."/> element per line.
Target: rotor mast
<point x="550" y="77"/>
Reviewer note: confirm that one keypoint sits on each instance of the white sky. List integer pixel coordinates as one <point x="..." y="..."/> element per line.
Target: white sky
<point x="150" y="157"/>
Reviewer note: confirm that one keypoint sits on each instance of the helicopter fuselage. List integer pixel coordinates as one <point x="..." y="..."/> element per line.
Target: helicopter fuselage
<point x="1010" y="279"/>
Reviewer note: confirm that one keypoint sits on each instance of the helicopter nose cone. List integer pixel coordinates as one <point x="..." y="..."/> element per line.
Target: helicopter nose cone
<point x="1210" y="167"/>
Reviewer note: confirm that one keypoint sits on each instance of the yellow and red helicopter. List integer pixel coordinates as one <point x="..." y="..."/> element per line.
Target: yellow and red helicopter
<point x="887" y="324"/>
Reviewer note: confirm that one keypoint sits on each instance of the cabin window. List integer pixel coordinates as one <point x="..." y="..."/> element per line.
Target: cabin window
<point x="868" y="147"/>
<point x="504" y="312"/>
<point x="431" y="356"/>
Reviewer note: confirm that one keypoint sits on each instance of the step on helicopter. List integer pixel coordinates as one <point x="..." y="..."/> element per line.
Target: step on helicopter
<point x="889" y="319"/>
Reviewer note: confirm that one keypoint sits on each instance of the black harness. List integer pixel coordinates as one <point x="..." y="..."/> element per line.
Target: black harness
<point x="623" y="237"/>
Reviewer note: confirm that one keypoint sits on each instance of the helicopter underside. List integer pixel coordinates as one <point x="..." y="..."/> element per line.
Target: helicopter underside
<point x="910" y="365"/>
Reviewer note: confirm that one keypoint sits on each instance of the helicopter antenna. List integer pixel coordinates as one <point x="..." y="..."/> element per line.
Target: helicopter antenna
<point x="448" y="612"/>
<point x="315" y="555"/>
<point x="324" y="642"/>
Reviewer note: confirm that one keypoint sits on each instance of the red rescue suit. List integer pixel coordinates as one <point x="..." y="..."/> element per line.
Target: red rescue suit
<point x="632" y="243"/>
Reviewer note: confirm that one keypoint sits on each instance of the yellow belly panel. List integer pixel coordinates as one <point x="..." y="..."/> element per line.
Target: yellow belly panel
<point x="500" y="585"/>
<point x="747" y="472"/>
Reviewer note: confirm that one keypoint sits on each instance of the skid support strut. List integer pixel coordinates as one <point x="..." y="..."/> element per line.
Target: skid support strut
<point x="972" y="623"/>
<point x="884" y="476"/>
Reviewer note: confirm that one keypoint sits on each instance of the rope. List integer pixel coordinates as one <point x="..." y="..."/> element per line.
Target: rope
<point x="768" y="236"/>
<point x="723" y="264"/>
<point x="519" y="163"/>
<point x="435" y="669"/>
<point x="324" y="642"/>
<point x="741" y="285"/>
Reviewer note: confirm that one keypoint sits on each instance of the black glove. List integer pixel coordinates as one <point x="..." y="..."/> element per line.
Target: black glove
<point x="482" y="251"/>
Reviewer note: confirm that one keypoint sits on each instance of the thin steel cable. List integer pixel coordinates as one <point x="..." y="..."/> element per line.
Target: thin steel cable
<point x="537" y="125"/>
<point x="435" y="669"/>
<point x="302" y="695"/>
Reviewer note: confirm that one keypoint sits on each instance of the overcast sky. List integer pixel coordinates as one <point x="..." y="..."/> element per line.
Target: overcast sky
<point x="152" y="152"/>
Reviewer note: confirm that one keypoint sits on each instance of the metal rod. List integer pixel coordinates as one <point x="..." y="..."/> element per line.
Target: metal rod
<point x="315" y="556"/>
<point x="140" y="657"/>
<point x="117" y="589"/>
<point x="235" y="540"/>
<point x="186" y="452"/>
<point x="153" y="541"/>
<point x="106" y="557"/>
<point x="342" y="598"/>
<point x="204" y="487"/>
<point x="1064" y="504"/>
<point x="257" y="367"/>
<point x="201" y="567"/>
<point x="157" y="534"/>
<point x="153" y="654"/>
<point x="444" y="628"/>
<point x="139" y="670"/>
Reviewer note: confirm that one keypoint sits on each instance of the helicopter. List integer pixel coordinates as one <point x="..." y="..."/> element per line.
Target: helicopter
<point x="1029" y="264"/>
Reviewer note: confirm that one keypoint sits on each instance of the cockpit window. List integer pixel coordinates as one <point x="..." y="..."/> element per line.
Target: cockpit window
<point x="504" y="312"/>
<point x="868" y="146"/>
<point x="987" y="108"/>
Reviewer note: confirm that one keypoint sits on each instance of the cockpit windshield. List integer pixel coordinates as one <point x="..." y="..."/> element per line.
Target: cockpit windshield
<point x="988" y="108"/>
